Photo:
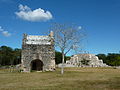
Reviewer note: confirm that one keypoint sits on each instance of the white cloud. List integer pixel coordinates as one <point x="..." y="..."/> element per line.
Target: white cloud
<point x="1" y="29"/>
<point x="5" y="33"/>
<point x="79" y="27"/>
<point x="39" y="14"/>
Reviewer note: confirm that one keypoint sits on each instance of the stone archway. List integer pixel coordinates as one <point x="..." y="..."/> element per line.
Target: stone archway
<point x="37" y="65"/>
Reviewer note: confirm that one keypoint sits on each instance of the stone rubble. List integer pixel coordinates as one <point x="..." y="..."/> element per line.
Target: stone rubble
<point x="94" y="61"/>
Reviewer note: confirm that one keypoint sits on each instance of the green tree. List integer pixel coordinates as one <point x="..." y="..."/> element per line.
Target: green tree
<point x="111" y="59"/>
<point x="9" y="56"/>
<point x="103" y="57"/>
<point x="6" y="55"/>
<point x="17" y="56"/>
<point x="58" y="57"/>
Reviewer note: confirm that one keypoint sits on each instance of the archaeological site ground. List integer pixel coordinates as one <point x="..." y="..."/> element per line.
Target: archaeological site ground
<point x="73" y="79"/>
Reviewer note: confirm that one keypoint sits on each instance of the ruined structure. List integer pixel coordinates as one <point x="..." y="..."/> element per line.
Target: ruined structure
<point x="85" y="60"/>
<point x="38" y="53"/>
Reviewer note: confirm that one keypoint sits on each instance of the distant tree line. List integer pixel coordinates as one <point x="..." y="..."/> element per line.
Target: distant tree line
<point x="111" y="59"/>
<point x="10" y="56"/>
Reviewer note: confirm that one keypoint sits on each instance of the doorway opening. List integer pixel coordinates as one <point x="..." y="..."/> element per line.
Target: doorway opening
<point x="37" y="65"/>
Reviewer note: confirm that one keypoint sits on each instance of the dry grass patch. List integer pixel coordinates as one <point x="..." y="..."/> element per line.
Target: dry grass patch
<point x="73" y="79"/>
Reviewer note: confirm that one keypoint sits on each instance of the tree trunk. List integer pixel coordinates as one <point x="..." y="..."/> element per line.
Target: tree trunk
<point x="62" y="68"/>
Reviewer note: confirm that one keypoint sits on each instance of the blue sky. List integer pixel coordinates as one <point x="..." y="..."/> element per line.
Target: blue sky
<point x="100" y="19"/>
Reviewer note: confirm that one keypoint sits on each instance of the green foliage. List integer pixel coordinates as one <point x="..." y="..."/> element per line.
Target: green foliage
<point x="58" y="57"/>
<point x="9" y="56"/>
<point x="102" y="56"/>
<point x="111" y="59"/>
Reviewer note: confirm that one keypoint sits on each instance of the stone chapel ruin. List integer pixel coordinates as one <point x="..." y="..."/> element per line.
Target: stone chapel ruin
<point x="38" y="53"/>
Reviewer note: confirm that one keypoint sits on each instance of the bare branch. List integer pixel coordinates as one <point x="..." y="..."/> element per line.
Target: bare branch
<point x="67" y="36"/>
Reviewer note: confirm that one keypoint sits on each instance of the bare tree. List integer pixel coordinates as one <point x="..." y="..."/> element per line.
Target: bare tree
<point x="67" y="38"/>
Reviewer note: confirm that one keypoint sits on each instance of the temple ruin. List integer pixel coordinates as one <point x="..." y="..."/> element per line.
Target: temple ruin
<point x="85" y="60"/>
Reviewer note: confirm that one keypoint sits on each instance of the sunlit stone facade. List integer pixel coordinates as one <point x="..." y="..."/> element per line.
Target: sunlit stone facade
<point x="93" y="61"/>
<point x="38" y="53"/>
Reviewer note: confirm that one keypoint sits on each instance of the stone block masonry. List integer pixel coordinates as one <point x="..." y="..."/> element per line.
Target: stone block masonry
<point x="38" y="53"/>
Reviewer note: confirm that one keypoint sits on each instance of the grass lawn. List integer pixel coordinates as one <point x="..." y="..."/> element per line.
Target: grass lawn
<point x="73" y="79"/>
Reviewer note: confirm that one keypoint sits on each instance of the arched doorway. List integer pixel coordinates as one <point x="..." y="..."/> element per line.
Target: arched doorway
<point x="37" y="65"/>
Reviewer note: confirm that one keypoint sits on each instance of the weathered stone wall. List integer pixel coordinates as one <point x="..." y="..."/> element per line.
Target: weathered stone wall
<point x="93" y="61"/>
<point x="45" y="53"/>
